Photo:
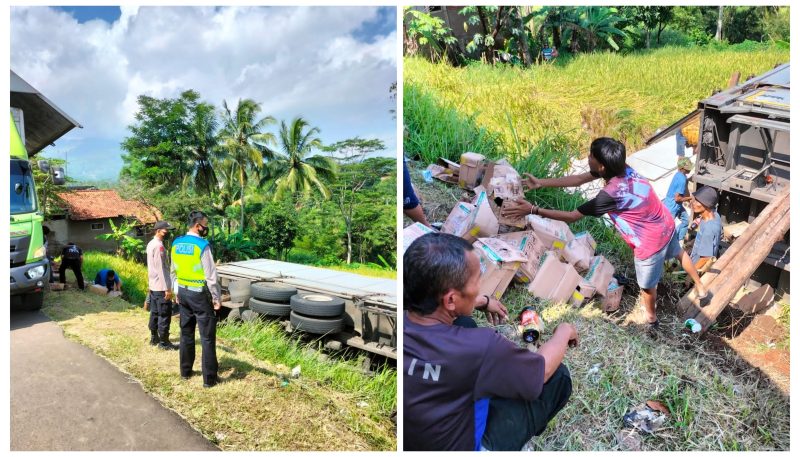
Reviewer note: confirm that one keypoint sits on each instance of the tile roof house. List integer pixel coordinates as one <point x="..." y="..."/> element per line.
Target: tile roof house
<point x="87" y="214"/>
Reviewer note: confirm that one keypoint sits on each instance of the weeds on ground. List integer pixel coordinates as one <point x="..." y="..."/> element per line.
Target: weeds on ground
<point x="615" y="369"/>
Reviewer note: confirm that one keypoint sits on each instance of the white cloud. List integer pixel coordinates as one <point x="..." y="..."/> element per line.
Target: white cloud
<point x="295" y="61"/>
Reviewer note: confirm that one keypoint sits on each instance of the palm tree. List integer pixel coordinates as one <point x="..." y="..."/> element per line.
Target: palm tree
<point x="203" y="147"/>
<point x="246" y="143"/>
<point x="291" y="169"/>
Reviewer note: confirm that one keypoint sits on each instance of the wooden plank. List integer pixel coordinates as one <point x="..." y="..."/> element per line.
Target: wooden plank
<point x="736" y="273"/>
<point x="767" y="216"/>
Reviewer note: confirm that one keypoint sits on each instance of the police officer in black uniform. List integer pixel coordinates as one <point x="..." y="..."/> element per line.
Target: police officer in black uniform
<point x="72" y="258"/>
<point x="199" y="297"/>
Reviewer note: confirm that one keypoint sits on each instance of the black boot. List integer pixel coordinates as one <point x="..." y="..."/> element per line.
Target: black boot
<point x="153" y="338"/>
<point x="166" y="345"/>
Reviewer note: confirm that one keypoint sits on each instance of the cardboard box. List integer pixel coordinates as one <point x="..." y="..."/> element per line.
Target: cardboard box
<point x="579" y="251"/>
<point x="555" y="234"/>
<point x="57" y="286"/>
<point x="115" y="293"/>
<point x="497" y="170"/>
<point x="471" y="170"/>
<point x="613" y="297"/>
<point x="472" y="220"/>
<point x="414" y="231"/>
<point x="98" y="289"/>
<point x="499" y="264"/>
<point x="600" y="274"/>
<point x="505" y="189"/>
<point x="555" y="280"/>
<point x="529" y="245"/>
<point x="445" y="170"/>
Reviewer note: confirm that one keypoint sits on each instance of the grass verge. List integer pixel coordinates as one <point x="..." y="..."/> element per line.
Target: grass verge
<point x="256" y="407"/>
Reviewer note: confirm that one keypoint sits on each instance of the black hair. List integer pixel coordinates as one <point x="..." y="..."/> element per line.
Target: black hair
<point x="110" y="274"/>
<point x="432" y="265"/>
<point x="195" y="217"/>
<point x="611" y="155"/>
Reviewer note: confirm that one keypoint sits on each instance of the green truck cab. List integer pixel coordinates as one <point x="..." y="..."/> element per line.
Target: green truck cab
<point x="34" y="123"/>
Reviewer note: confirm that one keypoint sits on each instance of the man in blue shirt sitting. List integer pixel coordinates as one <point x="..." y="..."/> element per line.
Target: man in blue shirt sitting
<point x="677" y="194"/>
<point x="108" y="278"/>
<point x="706" y="244"/>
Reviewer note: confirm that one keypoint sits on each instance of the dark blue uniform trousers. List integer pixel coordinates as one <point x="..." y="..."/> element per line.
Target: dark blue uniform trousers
<point x="197" y="311"/>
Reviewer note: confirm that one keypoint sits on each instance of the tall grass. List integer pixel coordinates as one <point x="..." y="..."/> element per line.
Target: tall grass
<point x="132" y="274"/>
<point x="628" y="96"/>
<point x="268" y="341"/>
<point x="441" y="130"/>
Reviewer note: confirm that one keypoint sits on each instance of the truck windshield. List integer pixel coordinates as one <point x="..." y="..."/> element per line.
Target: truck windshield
<point x="23" y="194"/>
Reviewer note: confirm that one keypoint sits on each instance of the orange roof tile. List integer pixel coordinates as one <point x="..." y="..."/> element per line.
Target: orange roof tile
<point x="84" y="205"/>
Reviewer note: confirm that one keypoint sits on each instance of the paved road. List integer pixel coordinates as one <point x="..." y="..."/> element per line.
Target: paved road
<point x="66" y="398"/>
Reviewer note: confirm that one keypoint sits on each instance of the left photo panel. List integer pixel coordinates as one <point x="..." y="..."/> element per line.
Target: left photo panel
<point x="203" y="228"/>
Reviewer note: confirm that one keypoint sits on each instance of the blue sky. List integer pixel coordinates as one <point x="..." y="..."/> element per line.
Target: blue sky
<point x="332" y="65"/>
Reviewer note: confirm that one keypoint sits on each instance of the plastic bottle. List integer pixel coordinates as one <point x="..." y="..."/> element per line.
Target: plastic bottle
<point x="693" y="325"/>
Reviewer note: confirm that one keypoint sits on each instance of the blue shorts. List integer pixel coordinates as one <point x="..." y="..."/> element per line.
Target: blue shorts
<point x="649" y="270"/>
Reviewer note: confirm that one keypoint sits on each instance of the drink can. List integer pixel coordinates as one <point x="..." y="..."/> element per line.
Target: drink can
<point x="531" y="324"/>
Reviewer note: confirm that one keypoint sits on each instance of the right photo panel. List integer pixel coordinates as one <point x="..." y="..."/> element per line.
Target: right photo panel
<point x="596" y="228"/>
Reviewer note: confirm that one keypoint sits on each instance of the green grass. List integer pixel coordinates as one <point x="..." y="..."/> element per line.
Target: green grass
<point x="590" y="95"/>
<point x="133" y="275"/>
<point x="364" y="270"/>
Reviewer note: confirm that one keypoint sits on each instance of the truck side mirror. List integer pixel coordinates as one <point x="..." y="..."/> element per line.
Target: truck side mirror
<point x="59" y="177"/>
<point x="44" y="166"/>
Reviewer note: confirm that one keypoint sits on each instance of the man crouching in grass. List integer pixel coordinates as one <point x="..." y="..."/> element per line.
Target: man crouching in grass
<point x="469" y="388"/>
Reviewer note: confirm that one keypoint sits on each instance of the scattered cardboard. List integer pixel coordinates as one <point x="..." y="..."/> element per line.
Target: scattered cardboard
<point x="498" y="169"/>
<point x="472" y="220"/>
<point x="57" y="286"/>
<point x="414" y="231"/>
<point x="735" y="230"/>
<point x="555" y="234"/>
<point x="613" y="297"/>
<point x="98" y="289"/>
<point x="579" y="251"/>
<point x="471" y="170"/>
<point x="555" y="280"/>
<point x="529" y="245"/>
<point x="445" y="170"/>
<point x="600" y="274"/>
<point x="499" y="264"/>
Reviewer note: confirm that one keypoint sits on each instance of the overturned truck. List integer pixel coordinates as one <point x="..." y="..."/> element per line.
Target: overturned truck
<point x="343" y="308"/>
<point x="743" y="152"/>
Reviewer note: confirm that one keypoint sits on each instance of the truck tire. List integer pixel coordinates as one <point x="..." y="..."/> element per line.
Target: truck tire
<point x="272" y="292"/>
<point x="33" y="302"/>
<point x="320" y="326"/>
<point x="317" y="305"/>
<point x="234" y="315"/>
<point x="269" y="309"/>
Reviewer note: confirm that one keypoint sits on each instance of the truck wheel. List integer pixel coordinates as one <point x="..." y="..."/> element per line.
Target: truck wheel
<point x="318" y="305"/>
<point x="272" y="292"/>
<point x="316" y="325"/>
<point x="234" y="315"/>
<point x="33" y="302"/>
<point x="269" y="309"/>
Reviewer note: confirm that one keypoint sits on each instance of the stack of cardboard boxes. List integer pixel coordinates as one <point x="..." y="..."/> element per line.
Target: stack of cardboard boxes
<point x="542" y="253"/>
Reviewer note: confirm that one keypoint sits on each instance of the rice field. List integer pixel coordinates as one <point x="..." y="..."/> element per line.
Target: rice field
<point x="604" y="94"/>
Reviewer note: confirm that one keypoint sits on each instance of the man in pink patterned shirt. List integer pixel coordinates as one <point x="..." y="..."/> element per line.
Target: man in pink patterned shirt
<point x="635" y="210"/>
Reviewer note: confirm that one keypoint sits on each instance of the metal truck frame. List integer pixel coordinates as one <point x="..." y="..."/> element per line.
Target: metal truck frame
<point x="743" y="152"/>
<point x="370" y="303"/>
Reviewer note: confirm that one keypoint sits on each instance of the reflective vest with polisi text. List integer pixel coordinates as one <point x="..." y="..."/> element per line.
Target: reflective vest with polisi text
<point x="186" y="256"/>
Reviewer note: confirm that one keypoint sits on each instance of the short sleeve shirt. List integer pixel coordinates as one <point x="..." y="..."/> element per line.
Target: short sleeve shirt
<point x="706" y="244"/>
<point x="100" y="278"/>
<point x="636" y="211"/>
<point x="71" y="252"/>
<point x="449" y="375"/>
<point x="676" y="186"/>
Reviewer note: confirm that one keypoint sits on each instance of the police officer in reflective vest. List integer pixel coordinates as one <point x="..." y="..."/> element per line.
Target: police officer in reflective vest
<point x="198" y="296"/>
